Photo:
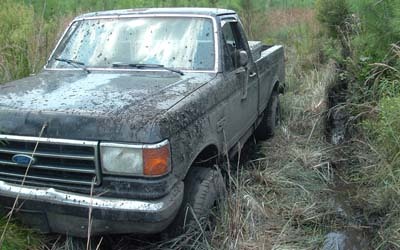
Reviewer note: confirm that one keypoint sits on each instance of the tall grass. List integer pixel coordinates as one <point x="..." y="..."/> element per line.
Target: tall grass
<point x="26" y="39"/>
<point x="19" y="237"/>
<point x="15" y="32"/>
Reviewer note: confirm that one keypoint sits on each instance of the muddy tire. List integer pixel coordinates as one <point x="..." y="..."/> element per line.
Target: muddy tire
<point x="271" y="118"/>
<point x="204" y="190"/>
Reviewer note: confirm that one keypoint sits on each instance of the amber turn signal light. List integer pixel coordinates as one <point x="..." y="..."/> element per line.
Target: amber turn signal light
<point x="156" y="161"/>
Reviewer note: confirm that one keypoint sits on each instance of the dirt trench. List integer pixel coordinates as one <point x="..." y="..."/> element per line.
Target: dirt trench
<point x="355" y="230"/>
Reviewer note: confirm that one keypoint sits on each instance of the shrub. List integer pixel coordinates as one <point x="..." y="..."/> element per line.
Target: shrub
<point x="375" y="80"/>
<point x="380" y="27"/>
<point x="333" y="14"/>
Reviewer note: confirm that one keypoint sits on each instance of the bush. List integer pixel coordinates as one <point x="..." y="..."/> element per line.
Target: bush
<point x="333" y="14"/>
<point x="373" y="80"/>
<point x="380" y="27"/>
<point x="368" y="32"/>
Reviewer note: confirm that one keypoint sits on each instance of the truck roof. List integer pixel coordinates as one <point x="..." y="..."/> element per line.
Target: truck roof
<point x="155" y="11"/>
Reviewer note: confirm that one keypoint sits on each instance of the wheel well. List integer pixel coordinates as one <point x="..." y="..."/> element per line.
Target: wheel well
<point x="278" y="88"/>
<point x="207" y="157"/>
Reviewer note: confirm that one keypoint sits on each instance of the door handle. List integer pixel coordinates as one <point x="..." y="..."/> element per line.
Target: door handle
<point x="252" y="74"/>
<point x="240" y="70"/>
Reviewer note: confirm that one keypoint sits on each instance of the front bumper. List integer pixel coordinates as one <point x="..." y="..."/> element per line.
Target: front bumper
<point x="51" y="210"/>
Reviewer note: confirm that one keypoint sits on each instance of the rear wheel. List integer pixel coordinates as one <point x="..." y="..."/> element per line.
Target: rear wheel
<point x="204" y="190"/>
<point x="271" y="118"/>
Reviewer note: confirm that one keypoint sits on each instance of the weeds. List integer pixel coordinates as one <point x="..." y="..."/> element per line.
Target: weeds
<point x="380" y="182"/>
<point x="19" y="237"/>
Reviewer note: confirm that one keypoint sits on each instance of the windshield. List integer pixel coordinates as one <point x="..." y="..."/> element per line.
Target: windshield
<point x="185" y="43"/>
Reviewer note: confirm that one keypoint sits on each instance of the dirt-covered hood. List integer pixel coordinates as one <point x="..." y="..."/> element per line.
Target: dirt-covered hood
<point x="95" y="106"/>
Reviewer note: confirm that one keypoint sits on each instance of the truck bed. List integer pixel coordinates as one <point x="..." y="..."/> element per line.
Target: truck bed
<point x="257" y="48"/>
<point x="270" y="66"/>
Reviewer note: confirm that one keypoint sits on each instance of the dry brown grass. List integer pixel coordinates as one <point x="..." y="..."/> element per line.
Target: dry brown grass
<point x="278" y="19"/>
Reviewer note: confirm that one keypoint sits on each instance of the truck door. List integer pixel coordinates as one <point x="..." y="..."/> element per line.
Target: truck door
<point x="243" y="103"/>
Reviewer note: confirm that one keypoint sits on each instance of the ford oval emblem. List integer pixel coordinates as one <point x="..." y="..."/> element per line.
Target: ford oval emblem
<point x="23" y="159"/>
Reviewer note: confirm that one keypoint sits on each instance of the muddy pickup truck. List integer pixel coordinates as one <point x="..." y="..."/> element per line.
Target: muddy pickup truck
<point x="125" y="125"/>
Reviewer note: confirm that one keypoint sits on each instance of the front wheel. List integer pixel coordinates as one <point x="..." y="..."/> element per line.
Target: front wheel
<point x="204" y="190"/>
<point x="271" y="118"/>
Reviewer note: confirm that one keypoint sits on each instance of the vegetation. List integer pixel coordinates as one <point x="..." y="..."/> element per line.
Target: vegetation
<point x="288" y="192"/>
<point x="26" y="39"/>
<point x="371" y="71"/>
<point x="18" y="237"/>
<point x="15" y="33"/>
<point x="333" y="15"/>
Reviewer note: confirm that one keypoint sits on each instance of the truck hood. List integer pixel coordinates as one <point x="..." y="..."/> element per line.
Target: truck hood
<point x="96" y="106"/>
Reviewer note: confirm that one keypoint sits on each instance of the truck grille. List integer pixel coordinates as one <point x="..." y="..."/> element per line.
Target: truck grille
<point x="56" y="161"/>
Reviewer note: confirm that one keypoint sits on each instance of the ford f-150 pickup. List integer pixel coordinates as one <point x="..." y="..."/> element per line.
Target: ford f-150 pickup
<point x="129" y="117"/>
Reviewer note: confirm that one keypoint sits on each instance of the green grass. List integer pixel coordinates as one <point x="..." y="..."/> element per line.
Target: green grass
<point x="19" y="237"/>
<point x="379" y="181"/>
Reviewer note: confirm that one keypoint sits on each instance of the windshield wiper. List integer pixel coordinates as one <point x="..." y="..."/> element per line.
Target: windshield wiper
<point x="73" y="63"/>
<point x="144" y="65"/>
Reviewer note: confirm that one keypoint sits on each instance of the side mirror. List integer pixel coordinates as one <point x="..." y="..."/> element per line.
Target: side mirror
<point x="243" y="58"/>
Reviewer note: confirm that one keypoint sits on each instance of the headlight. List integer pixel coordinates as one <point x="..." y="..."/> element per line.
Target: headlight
<point x="139" y="160"/>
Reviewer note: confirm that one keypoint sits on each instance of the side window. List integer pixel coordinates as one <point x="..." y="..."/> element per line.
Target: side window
<point x="232" y="43"/>
<point x="229" y="47"/>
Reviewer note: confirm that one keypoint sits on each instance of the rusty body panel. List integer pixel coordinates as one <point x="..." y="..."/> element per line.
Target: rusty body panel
<point x="194" y="111"/>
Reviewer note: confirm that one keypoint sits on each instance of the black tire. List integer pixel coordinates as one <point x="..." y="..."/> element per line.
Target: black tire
<point x="271" y="118"/>
<point x="204" y="190"/>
